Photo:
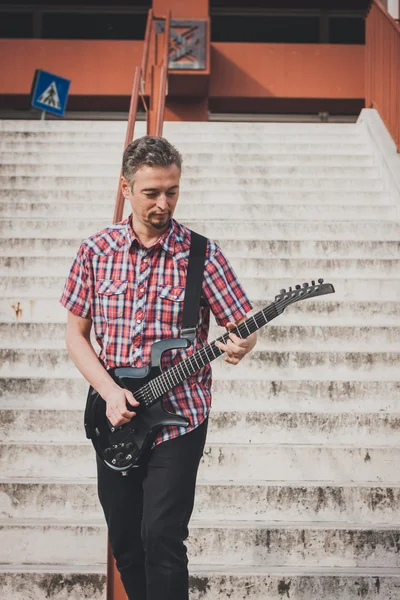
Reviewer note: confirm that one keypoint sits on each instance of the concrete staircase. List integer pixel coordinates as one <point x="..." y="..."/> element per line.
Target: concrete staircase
<point x="299" y="493"/>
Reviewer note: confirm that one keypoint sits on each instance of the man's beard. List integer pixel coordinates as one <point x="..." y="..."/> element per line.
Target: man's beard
<point x="159" y="223"/>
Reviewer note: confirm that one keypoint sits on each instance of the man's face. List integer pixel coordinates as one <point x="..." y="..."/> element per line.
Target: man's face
<point x="153" y="195"/>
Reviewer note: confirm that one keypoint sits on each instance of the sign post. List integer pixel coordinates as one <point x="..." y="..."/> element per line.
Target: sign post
<point x="50" y="93"/>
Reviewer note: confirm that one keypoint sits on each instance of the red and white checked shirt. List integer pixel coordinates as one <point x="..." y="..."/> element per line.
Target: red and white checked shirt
<point x="134" y="296"/>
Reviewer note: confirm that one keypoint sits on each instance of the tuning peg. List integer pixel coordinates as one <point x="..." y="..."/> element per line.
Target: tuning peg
<point x="305" y="285"/>
<point x="298" y="287"/>
<point x="283" y="291"/>
<point x="320" y="281"/>
<point x="313" y="282"/>
<point x="290" y="289"/>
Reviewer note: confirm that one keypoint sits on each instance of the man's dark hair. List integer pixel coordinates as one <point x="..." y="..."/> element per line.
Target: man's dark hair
<point x="151" y="151"/>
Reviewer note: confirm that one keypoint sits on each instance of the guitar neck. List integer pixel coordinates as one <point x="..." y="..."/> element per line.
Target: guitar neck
<point x="189" y="366"/>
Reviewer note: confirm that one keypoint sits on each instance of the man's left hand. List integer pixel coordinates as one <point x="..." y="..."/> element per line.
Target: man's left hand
<point x="236" y="348"/>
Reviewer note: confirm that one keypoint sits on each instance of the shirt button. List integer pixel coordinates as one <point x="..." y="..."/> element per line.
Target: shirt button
<point x="142" y="290"/>
<point x="138" y="321"/>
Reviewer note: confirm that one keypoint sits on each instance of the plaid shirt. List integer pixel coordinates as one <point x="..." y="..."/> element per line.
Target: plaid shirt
<point x="134" y="296"/>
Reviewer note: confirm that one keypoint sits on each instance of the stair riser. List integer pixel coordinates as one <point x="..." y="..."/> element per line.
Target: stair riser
<point x="250" y="267"/>
<point x="77" y="125"/>
<point x="18" y="289"/>
<point x="306" y="147"/>
<point x="189" y="184"/>
<point x="305" y="212"/>
<point x="281" y="503"/>
<point x="204" y="586"/>
<point x="75" y="545"/>
<point x="317" y="314"/>
<point x="255" y="463"/>
<point x="331" y="250"/>
<point x="99" y="198"/>
<point x="271" y="230"/>
<point x="281" y="365"/>
<point x="260" y="136"/>
<point x="243" y="427"/>
<point x="195" y="170"/>
<point x="190" y="159"/>
<point x="271" y="338"/>
<point x="228" y="394"/>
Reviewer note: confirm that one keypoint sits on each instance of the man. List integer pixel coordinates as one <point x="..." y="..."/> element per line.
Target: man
<point x="128" y="281"/>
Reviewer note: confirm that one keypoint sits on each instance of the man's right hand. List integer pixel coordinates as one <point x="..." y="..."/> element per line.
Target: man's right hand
<point x="117" y="412"/>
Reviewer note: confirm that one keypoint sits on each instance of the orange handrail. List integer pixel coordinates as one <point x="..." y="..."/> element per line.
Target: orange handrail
<point x="383" y="67"/>
<point x="163" y="78"/>
<point x="138" y="89"/>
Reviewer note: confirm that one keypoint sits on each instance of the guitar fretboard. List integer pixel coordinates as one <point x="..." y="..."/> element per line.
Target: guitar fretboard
<point x="166" y="381"/>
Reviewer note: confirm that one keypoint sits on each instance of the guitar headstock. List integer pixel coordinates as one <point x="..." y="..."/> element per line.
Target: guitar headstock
<point x="302" y="292"/>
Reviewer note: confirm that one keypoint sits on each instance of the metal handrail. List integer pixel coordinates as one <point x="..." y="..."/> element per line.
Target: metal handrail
<point x="383" y="67"/>
<point x="138" y="90"/>
<point x="164" y="77"/>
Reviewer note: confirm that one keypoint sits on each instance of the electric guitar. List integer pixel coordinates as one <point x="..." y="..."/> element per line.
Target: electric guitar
<point x="121" y="448"/>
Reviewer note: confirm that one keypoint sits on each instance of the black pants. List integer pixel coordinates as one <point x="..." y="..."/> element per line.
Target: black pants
<point x="147" y="514"/>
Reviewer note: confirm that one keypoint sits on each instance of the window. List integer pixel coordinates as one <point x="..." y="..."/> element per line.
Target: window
<point x="94" y="26"/>
<point x="16" y="25"/>
<point x="346" y="30"/>
<point x="257" y="28"/>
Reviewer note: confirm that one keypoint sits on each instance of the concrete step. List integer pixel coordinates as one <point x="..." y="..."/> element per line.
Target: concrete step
<point x="106" y="159"/>
<point x="330" y="249"/>
<point x="216" y="229"/>
<point x="210" y="583"/>
<point x="192" y="183"/>
<point x="317" y="313"/>
<point x="19" y="335"/>
<point x="40" y="582"/>
<point x="234" y="172"/>
<point x="281" y="502"/>
<point x="323" y="212"/>
<point x="101" y="198"/>
<point x="30" y="125"/>
<point x="281" y="365"/>
<point x="19" y="288"/>
<point x="249" y="267"/>
<point x="254" y="462"/>
<point x="206" y="135"/>
<point x="229" y="394"/>
<point x="305" y="146"/>
<point x="245" y="427"/>
<point x="247" y="543"/>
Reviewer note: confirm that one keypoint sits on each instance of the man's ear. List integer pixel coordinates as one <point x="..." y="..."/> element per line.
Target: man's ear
<point x="126" y="188"/>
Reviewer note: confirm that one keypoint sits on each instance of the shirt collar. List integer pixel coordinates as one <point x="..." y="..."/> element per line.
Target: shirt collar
<point x="166" y="241"/>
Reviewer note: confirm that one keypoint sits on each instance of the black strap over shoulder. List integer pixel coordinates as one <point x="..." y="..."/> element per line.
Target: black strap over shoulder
<point x="194" y="284"/>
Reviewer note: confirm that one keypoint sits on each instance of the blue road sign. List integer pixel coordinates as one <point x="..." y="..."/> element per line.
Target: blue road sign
<point x="50" y="92"/>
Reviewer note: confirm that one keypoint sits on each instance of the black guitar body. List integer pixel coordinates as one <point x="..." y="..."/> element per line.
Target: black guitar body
<point x="121" y="448"/>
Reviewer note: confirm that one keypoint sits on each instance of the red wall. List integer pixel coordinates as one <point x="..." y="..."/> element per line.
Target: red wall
<point x="287" y="70"/>
<point x="98" y="67"/>
<point x="101" y="69"/>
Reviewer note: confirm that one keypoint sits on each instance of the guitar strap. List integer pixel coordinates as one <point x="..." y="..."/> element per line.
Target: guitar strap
<point x="194" y="284"/>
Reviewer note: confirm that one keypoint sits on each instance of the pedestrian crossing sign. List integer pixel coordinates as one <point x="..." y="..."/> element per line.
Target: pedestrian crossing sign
<point x="50" y="92"/>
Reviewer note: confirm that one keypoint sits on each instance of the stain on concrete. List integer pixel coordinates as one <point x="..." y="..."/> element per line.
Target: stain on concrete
<point x="367" y="457"/>
<point x="17" y="308"/>
<point x="377" y="585"/>
<point x="200" y="584"/>
<point x="54" y="583"/>
<point x="284" y="588"/>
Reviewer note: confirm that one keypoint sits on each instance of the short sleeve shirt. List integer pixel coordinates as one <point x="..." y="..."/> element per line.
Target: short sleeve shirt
<point x="134" y="297"/>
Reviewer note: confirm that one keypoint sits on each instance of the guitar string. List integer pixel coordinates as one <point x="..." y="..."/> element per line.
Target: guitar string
<point x="169" y="375"/>
<point x="202" y="353"/>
